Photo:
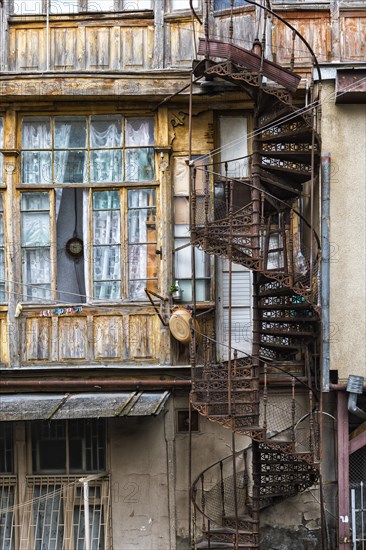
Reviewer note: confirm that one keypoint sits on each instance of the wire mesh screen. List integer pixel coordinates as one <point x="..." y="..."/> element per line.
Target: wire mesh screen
<point x="358" y="498"/>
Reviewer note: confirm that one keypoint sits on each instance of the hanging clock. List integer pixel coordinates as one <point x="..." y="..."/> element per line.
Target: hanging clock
<point x="74" y="247"/>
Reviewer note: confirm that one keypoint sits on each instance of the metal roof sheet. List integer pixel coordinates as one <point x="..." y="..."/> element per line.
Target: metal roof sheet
<point x="80" y="405"/>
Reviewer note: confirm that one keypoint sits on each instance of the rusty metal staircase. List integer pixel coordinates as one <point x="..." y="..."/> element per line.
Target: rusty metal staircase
<point x="272" y="236"/>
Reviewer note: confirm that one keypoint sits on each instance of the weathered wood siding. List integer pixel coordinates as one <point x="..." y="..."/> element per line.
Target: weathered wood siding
<point x="4" y="340"/>
<point x="81" y="47"/>
<point x="87" y="338"/>
<point x="353" y="36"/>
<point x="313" y="26"/>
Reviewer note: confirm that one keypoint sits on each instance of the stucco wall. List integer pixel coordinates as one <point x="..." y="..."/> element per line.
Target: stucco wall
<point x="150" y="482"/>
<point x="344" y="136"/>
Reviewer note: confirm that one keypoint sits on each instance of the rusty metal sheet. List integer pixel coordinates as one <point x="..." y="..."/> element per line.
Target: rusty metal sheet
<point x="351" y="86"/>
<point x="251" y="61"/>
<point x="29" y="406"/>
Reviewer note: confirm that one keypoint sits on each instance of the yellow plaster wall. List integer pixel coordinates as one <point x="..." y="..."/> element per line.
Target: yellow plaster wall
<point x="344" y="135"/>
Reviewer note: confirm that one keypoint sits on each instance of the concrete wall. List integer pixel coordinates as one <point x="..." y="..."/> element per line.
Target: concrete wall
<point x="150" y="481"/>
<point x="344" y="135"/>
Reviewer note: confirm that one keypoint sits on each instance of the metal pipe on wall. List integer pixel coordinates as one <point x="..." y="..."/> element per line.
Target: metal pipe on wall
<point x="124" y="383"/>
<point x="325" y="268"/>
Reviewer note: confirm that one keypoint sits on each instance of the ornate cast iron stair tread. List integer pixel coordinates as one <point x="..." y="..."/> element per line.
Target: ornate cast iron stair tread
<point x="288" y="170"/>
<point x="299" y="156"/>
<point x="284" y="333"/>
<point x="301" y="135"/>
<point x="251" y="61"/>
<point x="218" y="545"/>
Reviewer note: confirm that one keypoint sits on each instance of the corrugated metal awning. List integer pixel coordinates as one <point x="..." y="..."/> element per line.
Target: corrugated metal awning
<point x="80" y="405"/>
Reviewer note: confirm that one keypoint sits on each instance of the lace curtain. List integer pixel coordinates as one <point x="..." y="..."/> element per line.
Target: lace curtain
<point x="35" y="238"/>
<point x="107" y="245"/>
<point x="141" y="231"/>
<point x="139" y="155"/>
<point x="37" y="162"/>
<point x="105" y="163"/>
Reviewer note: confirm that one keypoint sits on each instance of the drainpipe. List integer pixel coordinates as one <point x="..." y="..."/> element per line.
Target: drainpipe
<point x="355" y="388"/>
<point x="325" y="268"/>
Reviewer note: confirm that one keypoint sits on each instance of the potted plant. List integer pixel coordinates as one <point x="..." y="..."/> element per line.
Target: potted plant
<point x="176" y="292"/>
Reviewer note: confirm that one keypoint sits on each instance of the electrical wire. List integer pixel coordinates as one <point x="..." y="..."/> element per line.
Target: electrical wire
<point x="282" y="120"/>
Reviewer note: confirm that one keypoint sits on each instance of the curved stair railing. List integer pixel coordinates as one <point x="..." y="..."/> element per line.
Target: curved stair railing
<point x="265" y="220"/>
<point x="224" y="510"/>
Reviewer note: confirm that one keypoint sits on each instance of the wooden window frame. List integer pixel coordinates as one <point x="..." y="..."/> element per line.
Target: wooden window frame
<point x="123" y="187"/>
<point x="207" y="280"/>
<point x="101" y="444"/>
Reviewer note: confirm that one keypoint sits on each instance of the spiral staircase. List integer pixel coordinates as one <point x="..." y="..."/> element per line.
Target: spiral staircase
<point x="272" y="236"/>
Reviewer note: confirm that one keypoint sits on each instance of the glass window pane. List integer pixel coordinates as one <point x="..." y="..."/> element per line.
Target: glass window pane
<point x="36" y="274"/>
<point x="70" y="167"/>
<point x="107" y="290"/>
<point x="142" y="226"/>
<point x="101" y="5"/>
<point x="107" y="229"/>
<point x="139" y="165"/>
<point x="134" y="5"/>
<point x="226" y="4"/>
<point x="36" y="133"/>
<point x="140" y="198"/>
<point x="27" y="7"/>
<point x="63" y="6"/>
<point x="1" y="146"/>
<point x="36" y="167"/>
<point x="106" y="200"/>
<point x="182" y="231"/>
<point x="139" y="132"/>
<point x="183" y="4"/>
<point x="35" y="229"/>
<point x="35" y="201"/>
<point x="142" y="262"/>
<point x="182" y="261"/>
<point x="106" y="166"/>
<point x="2" y="265"/>
<point x="136" y="289"/>
<point x="70" y="132"/>
<point x="107" y="261"/>
<point x="105" y="131"/>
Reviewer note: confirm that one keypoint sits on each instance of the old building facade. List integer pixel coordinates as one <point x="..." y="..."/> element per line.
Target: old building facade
<point x="115" y="160"/>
